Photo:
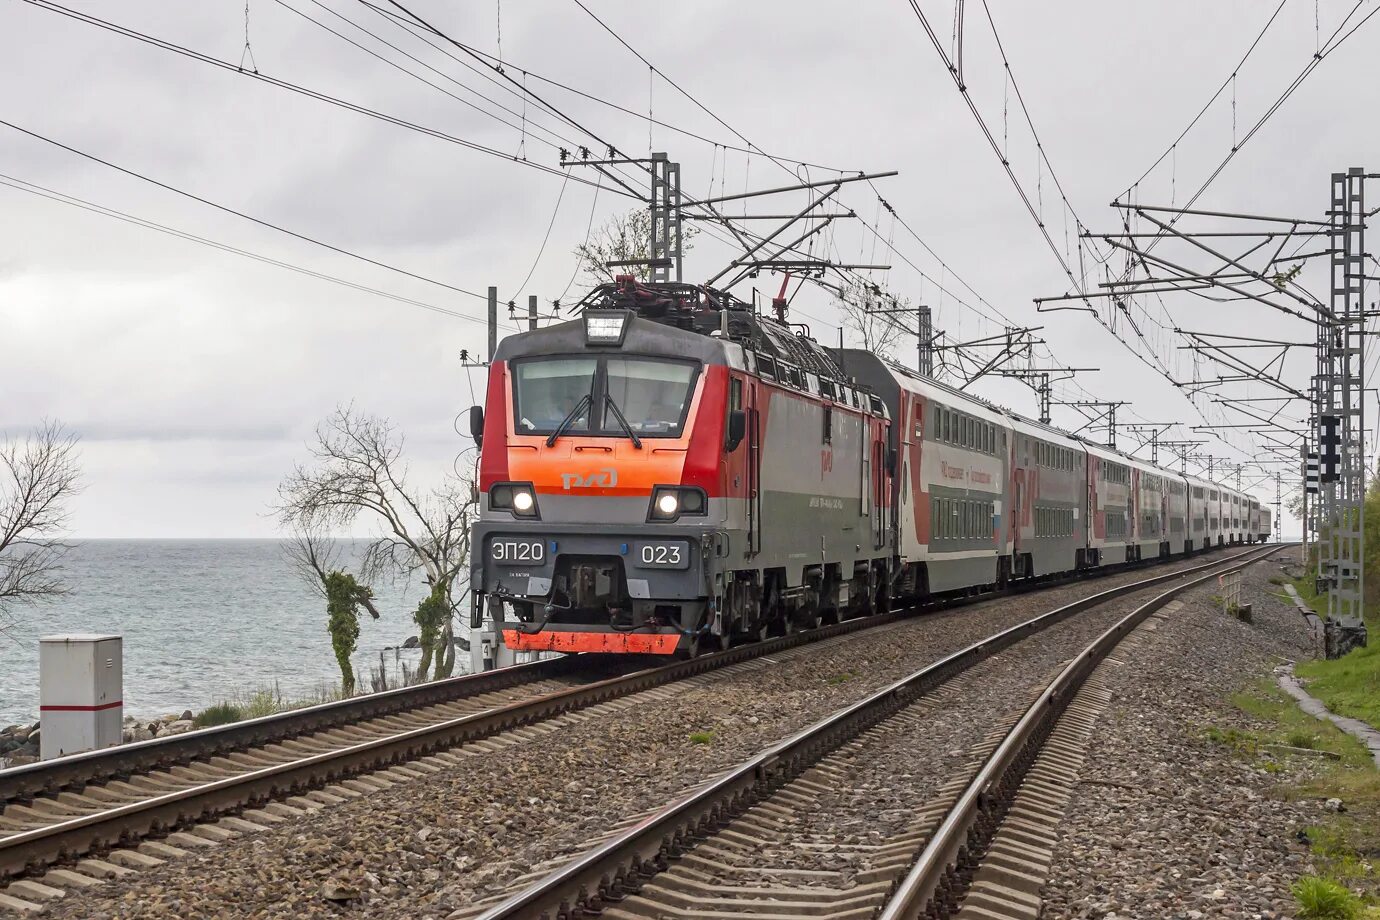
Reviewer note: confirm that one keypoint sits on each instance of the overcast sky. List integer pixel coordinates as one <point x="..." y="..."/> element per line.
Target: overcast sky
<point x="194" y="376"/>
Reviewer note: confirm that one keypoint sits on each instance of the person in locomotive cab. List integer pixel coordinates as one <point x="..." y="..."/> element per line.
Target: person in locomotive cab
<point x="664" y="414"/>
<point x="553" y="412"/>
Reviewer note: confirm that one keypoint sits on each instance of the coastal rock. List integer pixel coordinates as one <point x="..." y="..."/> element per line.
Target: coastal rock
<point x="187" y="715"/>
<point x="412" y="642"/>
<point x="31" y="740"/>
<point x="180" y="726"/>
<point x="137" y="733"/>
<point x="19" y="760"/>
<point x="169" y="718"/>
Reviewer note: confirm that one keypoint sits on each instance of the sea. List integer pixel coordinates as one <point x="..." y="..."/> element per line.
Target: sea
<point x="203" y="621"/>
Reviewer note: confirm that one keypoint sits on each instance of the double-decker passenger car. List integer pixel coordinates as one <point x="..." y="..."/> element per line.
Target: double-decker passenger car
<point x="670" y="471"/>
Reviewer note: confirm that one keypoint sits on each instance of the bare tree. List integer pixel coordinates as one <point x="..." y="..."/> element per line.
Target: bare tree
<point x="38" y="475"/>
<point x="625" y="237"/>
<point x="357" y="469"/>
<point x="871" y="330"/>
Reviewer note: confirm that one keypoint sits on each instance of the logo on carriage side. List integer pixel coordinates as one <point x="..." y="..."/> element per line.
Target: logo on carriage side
<point x="606" y="478"/>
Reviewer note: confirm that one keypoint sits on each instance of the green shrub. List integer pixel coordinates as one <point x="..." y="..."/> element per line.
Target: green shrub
<point x="702" y="737"/>
<point x="219" y="714"/>
<point x="1324" y="899"/>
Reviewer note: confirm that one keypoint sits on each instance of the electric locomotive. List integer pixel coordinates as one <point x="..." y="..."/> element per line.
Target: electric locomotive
<point x="670" y="470"/>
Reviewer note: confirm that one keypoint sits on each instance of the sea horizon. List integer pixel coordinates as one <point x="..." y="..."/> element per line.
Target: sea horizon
<point x="204" y="619"/>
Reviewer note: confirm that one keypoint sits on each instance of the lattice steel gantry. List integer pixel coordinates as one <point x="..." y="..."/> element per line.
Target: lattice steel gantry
<point x="1339" y="391"/>
<point x="665" y="206"/>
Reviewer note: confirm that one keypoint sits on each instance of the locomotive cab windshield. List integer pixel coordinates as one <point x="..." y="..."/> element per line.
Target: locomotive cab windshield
<point x="602" y="396"/>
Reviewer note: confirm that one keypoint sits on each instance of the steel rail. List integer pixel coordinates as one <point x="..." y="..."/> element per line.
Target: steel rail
<point x="934" y="886"/>
<point x="623" y="863"/>
<point x="40" y="846"/>
<point x="26" y="850"/>
<point x="59" y="773"/>
<point x="63" y="773"/>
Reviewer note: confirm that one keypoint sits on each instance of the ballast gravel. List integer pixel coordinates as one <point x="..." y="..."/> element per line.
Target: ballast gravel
<point x="430" y="847"/>
<point x="1166" y="823"/>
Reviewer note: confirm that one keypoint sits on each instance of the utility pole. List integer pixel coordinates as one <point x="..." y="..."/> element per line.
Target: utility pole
<point x="1182" y="449"/>
<point x="1155" y="429"/>
<point x="1307" y="512"/>
<point x="531" y="311"/>
<point x="1279" y="507"/>
<point x="493" y="322"/>
<point x="925" y="341"/>
<point x="1041" y="380"/>
<point x="1108" y="412"/>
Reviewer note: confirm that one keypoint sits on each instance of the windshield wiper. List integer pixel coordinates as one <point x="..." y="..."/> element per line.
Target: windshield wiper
<point x="568" y="420"/>
<point x="618" y="414"/>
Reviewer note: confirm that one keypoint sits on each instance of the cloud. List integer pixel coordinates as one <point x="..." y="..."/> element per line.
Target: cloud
<point x="194" y="376"/>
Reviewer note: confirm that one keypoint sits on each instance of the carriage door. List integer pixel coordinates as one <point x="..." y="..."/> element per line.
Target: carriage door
<point x="879" y="480"/>
<point x="754" y="468"/>
<point x="1016" y="510"/>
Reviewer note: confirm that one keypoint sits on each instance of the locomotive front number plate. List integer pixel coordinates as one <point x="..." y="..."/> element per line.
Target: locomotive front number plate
<point x="517" y="552"/>
<point x="661" y="555"/>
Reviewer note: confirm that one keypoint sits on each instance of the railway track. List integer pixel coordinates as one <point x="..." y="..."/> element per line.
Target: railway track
<point x="191" y="790"/>
<point x="766" y="839"/>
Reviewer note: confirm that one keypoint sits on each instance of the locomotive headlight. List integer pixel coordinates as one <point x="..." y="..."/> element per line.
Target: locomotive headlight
<point x="515" y="497"/>
<point x="605" y="327"/>
<point x="672" y="502"/>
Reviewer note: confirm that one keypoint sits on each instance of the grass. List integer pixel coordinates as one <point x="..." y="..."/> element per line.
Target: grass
<point x="840" y="678"/>
<point x="1324" y="899"/>
<point x="1318" y="602"/>
<point x="1301" y="738"/>
<point x="1349" y="685"/>
<point x="264" y="700"/>
<point x="219" y="714"/>
<point x="1345" y="846"/>
<point x="701" y="737"/>
<point x="268" y="699"/>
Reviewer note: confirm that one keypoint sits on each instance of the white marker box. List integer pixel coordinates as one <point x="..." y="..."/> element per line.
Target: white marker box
<point x="81" y="696"/>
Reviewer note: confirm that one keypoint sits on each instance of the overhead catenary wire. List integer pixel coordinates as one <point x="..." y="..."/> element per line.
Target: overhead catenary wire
<point x="422" y="34"/>
<point x="294" y="87"/>
<point x="192" y="196"/>
<point x="1211" y="99"/>
<point x="522" y="288"/>
<point x="1156" y="364"/>
<point x="50" y="194"/>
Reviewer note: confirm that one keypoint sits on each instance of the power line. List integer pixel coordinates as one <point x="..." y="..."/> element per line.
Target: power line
<point x="416" y="76"/>
<point x="1201" y="112"/>
<point x="291" y="87"/>
<point x="537" y="261"/>
<point x="240" y="214"/>
<point x="415" y="30"/>
<point x="40" y="191"/>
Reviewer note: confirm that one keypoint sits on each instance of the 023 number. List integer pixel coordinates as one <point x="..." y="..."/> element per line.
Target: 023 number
<point x="661" y="554"/>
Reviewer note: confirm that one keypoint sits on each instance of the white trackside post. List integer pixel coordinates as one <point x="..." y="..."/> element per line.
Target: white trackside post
<point x="81" y="698"/>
